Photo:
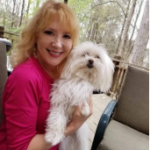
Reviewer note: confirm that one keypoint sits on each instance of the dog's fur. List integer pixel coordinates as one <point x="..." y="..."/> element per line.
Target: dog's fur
<point x="88" y="68"/>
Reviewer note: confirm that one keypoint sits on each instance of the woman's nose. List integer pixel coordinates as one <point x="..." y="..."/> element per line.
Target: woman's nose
<point x="57" y="42"/>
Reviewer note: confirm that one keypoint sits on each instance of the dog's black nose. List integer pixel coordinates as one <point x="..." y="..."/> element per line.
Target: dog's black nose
<point x="91" y="61"/>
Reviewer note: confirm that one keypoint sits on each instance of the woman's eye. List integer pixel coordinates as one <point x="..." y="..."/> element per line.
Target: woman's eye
<point x="48" y="32"/>
<point x="67" y="36"/>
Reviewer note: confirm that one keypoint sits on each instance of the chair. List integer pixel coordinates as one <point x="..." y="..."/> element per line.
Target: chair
<point x="3" y="73"/>
<point x="124" y="125"/>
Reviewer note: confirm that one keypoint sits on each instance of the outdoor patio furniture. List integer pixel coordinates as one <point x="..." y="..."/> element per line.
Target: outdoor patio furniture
<point x="124" y="125"/>
<point x="3" y="73"/>
<point x="7" y="43"/>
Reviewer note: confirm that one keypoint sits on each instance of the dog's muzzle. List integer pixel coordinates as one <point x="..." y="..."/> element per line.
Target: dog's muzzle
<point x="90" y="63"/>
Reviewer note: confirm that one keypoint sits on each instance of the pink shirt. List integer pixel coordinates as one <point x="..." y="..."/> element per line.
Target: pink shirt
<point x="25" y="105"/>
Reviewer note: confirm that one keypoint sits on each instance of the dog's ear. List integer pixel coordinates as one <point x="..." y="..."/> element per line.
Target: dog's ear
<point x="67" y="70"/>
<point x="107" y="70"/>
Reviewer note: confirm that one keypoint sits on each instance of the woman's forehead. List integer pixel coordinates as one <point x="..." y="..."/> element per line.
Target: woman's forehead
<point x="56" y="22"/>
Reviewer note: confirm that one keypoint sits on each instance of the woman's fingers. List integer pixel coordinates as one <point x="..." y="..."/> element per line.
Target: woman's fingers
<point x="78" y="118"/>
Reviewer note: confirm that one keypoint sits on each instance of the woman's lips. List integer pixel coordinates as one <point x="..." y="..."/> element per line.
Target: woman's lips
<point x="54" y="53"/>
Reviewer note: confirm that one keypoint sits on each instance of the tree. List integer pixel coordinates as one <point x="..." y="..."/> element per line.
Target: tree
<point x="126" y="29"/>
<point x="13" y="13"/>
<point x="104" y="21"/>
<point x="137" y="54"/>
<point x="119" y="40"/>
<point x="28" y="7"/>
<point x="22" y="14"/>
<point x="130" y="41"/>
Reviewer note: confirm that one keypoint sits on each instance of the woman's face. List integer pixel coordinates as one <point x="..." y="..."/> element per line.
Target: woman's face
<point x="53" y="45"/>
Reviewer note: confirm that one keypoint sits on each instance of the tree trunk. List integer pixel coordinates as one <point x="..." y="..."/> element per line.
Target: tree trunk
<point x="22" y="9"/>
<point x="137" y="54"/>
<point x="28" y="7"/>
<point x="37" y="4"/>
<point x="4" y="19"/>
<point x="119" y="41"/>
<point x="130" y="45"/>
<point x="92" y="31"/>
<point x="13" y="13"/>
<point x="126" y="28"/>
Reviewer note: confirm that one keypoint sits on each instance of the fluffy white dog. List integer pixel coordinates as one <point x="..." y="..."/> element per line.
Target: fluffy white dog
<point x="88" y="68"/>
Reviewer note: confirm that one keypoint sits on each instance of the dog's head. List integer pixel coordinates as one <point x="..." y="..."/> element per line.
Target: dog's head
<point x="91" y="62"/>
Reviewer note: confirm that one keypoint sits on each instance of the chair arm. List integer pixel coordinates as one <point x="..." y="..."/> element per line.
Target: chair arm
<point x="103" y="122"/>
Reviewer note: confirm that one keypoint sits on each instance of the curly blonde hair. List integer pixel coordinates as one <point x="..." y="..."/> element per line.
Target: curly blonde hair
<point x="45" y="14"/>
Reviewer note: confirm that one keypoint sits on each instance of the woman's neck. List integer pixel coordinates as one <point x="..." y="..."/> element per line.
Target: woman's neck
<point x="52" y="71"/>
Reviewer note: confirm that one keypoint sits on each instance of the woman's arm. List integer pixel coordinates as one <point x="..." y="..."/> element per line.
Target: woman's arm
<point x="78" y="119"/>
<point x="38" y="143"/>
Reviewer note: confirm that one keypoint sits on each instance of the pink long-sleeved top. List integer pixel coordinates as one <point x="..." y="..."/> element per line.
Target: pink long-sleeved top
<point x="25" y="105"/>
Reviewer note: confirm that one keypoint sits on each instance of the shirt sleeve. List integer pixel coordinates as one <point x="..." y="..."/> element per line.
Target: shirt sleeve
<point x="21" y="101"/>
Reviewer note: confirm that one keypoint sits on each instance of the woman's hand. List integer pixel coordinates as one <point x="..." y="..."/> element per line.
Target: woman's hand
<point x="78" y="119"/>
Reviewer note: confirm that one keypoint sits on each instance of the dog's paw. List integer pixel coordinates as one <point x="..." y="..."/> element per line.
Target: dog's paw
<point x="53" y="138"/>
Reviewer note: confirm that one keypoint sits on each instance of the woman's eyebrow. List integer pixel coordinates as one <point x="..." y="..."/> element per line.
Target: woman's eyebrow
<point x="67" y="32"/>
<point x="55" y="30"/>
<point x="50" y="29"/>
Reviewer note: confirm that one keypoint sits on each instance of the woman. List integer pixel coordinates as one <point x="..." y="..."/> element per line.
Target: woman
<point x="37" y="60"/>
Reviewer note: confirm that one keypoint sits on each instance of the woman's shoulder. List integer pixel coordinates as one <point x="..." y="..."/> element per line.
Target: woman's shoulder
<point x="28" y="70"/>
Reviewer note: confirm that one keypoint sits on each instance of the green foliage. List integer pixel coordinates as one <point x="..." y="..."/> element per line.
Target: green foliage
<point x="100" y="20"/>
<point x="82" y="10"/>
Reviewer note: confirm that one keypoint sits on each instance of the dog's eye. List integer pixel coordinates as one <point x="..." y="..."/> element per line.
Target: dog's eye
<point x="97" y="57"/>
<point x="85" y="54"/>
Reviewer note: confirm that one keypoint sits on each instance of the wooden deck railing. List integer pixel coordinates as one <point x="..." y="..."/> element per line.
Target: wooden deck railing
<point x="8" y="35"/>
<point x="120" y="67"/>
<point x="119" y="74"/>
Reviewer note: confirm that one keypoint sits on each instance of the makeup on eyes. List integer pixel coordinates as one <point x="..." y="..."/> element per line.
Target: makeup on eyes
<point x="48" y="32"/>
<point x="51" y="31"/>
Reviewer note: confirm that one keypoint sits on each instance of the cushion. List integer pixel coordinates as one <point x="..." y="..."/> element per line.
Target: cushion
<point x="3" y="72"/>
<point x="133" y="102"/>
<point x="121" y="137"/>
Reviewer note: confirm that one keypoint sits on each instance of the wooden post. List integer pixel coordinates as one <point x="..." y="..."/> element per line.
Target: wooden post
<point x="1" y="32"/>
<point x="115" y="76"/>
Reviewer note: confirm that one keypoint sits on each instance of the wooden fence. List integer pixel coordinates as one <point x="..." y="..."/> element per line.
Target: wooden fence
<point x="119" y="74"/>
<point x="10" y="36"/>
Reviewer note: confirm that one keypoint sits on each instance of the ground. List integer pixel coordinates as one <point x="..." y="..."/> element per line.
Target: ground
<point x="100" y="102"/>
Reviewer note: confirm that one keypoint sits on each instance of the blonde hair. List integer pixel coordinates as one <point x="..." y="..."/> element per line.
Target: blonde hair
<point x="39" y="22"/>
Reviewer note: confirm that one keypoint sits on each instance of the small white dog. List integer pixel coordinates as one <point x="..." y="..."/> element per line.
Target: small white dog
<point x="88" y="68"/>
